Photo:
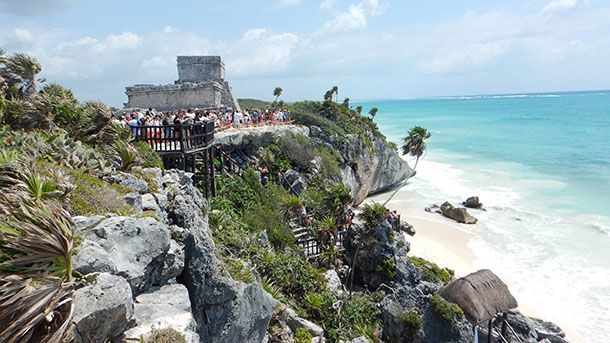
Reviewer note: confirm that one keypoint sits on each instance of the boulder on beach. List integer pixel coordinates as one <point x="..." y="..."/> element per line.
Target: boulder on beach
<point x="458" y="214"/>
<point x="473" y="202"/>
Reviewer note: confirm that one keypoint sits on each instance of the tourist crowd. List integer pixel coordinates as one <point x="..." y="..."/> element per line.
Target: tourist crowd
<point x="221" y="119"/>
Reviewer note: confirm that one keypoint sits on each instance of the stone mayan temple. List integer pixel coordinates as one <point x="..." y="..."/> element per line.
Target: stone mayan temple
<point x="201" y="84"/>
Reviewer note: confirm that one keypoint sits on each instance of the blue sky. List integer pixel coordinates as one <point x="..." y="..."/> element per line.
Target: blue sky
<point x="371" y="49"/>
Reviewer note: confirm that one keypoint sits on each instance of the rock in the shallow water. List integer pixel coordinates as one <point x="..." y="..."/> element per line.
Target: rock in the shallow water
<point x="472" y="202"/>
<point x="137" y="247"/>
<point x="92" y="258"/>
<point x="103" y="310"/>
<point x="458" y="214"/>
<point x="168" y="307"/>
<point x="522" y="325"/>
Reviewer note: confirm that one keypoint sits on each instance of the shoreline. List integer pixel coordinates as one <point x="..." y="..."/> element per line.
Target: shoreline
<point x="442" y="241"/>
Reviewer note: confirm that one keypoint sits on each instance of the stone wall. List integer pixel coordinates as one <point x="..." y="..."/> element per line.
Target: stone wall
<point x="200" y="69"/>
<point x="172" y="97"/>
<point x="200" y="84"/>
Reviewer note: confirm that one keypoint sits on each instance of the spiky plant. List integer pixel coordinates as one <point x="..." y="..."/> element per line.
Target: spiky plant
<point x="291" y="204"/>
<point x="35" y="309"/>
<point x="124" y="154"/>
<point x="373" y="214"/>
<point x="27" y="183"/>
<point x="37" y="245"/>
<point x="8" y="156"/>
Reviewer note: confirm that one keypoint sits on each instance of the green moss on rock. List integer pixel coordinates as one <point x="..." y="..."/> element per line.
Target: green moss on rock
<point x="302" y="335"/>
<point x="93" y="196"/>
<point x="431" y="271"/>
<point x="444" y="309"/>
<point x="412" y="320"/>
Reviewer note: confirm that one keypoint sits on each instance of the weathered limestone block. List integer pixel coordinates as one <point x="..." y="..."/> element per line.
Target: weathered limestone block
<point x="103" y="310"/>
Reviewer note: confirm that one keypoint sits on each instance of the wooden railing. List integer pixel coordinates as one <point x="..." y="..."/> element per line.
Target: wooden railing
<point x="176" y="138"/>
<point x="311" y="245"/>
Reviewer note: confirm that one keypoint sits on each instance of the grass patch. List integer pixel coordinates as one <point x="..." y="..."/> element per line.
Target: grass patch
<point x="94" y="196"/>
<point x="302" y="335"/>
<point x="431" y="271"/>
<point x="238" y="270"/>
<point x="167" y="335"/>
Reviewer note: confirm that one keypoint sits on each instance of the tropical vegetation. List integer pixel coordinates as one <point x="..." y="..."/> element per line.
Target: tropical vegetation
<point x="415" y="143"/>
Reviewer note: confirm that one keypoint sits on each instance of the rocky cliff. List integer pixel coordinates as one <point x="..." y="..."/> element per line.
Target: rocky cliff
<point x="159" y="270"/>
<point x="365" y="167"/>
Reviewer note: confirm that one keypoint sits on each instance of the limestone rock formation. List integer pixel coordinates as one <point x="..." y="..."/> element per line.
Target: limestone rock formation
<point x="138" y="249"/>
<point x="103" y="310"/>
<point x="168" y="307"/>
<point x="458" y="214"/>
<point x="365" y="169"/>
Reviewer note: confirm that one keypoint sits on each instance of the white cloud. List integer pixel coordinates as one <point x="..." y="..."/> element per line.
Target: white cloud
<point x="328" y="5"/>
<point x="562" y="5"/>
<point x="259" y="52"/>
<point x="355" y="18"/>
<point x="281" y="4"/>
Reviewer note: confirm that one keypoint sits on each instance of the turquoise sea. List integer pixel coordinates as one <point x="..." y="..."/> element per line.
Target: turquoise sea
<point x="541" y="164"/>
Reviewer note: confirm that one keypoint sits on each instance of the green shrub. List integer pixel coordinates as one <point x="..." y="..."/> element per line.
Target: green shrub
<point x="412" y="320"/>
<point x="329" y="166"/>
<point x="386" y="268"/>
<point x="373" y="214"/>
<point x="302" y="335"/>
<point x="238" y="270"/>
<point x="296" y="149"/>
<point x="293" y="275"/>
<point x="445" y="309"/>
<point x="431" y="271"/>
<point x="150" y="159"/>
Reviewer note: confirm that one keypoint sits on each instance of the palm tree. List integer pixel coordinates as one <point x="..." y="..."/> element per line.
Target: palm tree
<point x="335" y="91"/>
<point x="415" y="143"/>
<point x="19" y="72"/>
<point x="277" y="92"/>
<point x="359" y="109"/>
<point x="373" y="112"/>
<point x="346" y="103"/>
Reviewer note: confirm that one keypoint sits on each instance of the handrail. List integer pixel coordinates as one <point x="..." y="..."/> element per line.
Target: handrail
<point x="181" y="138"/>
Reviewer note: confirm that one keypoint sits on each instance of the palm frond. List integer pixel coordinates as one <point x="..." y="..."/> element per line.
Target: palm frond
<point x="34" y="309"/>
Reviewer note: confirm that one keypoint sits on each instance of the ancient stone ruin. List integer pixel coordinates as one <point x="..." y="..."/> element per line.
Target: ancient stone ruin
<point x="201" y="84"/>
